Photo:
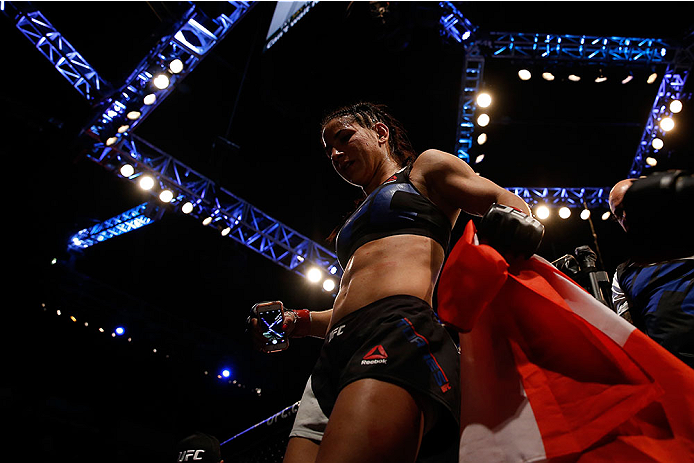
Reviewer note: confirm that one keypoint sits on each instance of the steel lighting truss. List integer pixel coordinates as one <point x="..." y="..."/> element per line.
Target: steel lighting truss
<point x="558" y="48"/>
<point x="51" y="43"/>
<point x="227" y="212"/>
<point x="122" y="223"/>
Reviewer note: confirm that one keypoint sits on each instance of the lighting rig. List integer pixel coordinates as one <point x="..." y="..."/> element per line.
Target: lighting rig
<point x="636" y="52"/>
<point x="120" y="111"/>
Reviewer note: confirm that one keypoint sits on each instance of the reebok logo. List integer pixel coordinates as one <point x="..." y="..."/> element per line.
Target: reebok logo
<point x="375" y="355"/>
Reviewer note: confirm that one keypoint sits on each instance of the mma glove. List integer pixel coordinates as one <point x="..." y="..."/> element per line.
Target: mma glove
<point x="510" y="231"/>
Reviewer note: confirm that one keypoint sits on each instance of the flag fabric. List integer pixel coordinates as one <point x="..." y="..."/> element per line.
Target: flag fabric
<point x="548" y="373"/>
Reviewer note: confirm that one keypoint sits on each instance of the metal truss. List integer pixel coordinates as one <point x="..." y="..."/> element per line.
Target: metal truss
<point x="586" y="197"/>
<point x="123" y="223"/>
<point x="223" y="210"/>
<point x="190" y="40"/>
<point x="639" y="52"/>
<point x="58" y="50"/>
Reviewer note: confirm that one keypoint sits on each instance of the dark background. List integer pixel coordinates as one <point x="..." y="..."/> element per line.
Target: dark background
<point x="182" y="289"/>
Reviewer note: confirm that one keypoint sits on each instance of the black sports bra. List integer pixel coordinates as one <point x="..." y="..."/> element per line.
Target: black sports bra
<point x="394" y="208"/>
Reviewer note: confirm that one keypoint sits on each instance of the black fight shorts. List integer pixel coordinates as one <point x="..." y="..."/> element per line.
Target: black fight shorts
<point x="399" y="340"/>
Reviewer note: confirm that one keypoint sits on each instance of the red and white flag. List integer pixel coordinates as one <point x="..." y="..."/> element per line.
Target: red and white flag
<point x="548" y="373"/>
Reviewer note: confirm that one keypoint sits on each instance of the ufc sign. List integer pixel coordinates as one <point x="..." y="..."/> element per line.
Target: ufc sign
<point x="186" y="455"/>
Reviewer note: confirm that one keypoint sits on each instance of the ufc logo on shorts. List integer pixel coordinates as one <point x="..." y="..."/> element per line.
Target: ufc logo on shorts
<point x="186" y="456"/>
<point x="336" y="332"/>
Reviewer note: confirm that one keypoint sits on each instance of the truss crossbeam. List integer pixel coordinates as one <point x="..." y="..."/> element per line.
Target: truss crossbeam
<point x="59" y="52"/>
<point x="123" y="223"/>
<point x="590" y="197"/>
<point x="245" y="223"/>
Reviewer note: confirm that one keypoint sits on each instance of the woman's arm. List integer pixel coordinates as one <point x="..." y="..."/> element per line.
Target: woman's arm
<point x="452" y="183"/>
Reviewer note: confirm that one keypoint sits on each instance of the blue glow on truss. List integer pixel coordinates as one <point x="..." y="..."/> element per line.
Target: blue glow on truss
<point x="115" y="226"/>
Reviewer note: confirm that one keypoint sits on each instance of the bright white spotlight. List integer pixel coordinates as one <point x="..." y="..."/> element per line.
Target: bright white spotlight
<point x="479" y="159"/>
<point x="652" y="78"/>
<point x="127" y="170"/>
<point x="119" y="331"/>
<point x="226" y="231"/>
<point x="574" y="78"/>
<point x="585" y="214"/>
<point x="111" y="141"/>
<point x="667" y="124"/>
<point x="651" y="161"/>
<point x="150" y="99"/>
<point x="564" y="212"/>
<point x="542" y="212"/>
<point x="161" y="81"/>
<point x="482" y="139"/>
<point x="675" y="106"/>
<point x="328" y="284"/>
<point x="207" y="220"/>
<point x="314" y="275"/>
<point x="605" y="215"/>
<point x="657" y="143"/>
<point x="176" y="66"/>
<point x="600" y="78"/>
<point x="524" y="74"/>
<point x="483" y="120"/>
<point x="146" y="182"/>
<point x="132" y="115"/>
<point x="548" y="76"/>
<point x="484" y="100"/>
<point x="166" y="196"/>
<point x="123" y="128"/>
<point x="187" y="208"/>
<point x="226" y="373"/>
<point x="627" y="79"/>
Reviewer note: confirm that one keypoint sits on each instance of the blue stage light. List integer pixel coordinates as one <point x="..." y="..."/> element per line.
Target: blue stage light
<point x="120" y="331"/>
<point x="226" y="373"/>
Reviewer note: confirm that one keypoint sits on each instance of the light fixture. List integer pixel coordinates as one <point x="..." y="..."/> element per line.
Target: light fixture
<point x="479" y="158"/>
<point x="564" y="212"/>
<point x="187" y="208"/>
<point x="657" y="143"/>
<point x="127" y="170"/>
<point x="601" y="77"/>
<point x="542" y="212"/>
<point x="207" y="220"/>
<point x="651" y="161"/>
<point x="484" y="100"/>
<point x="667" y="124"/>
<point x="574" y="78"/>
<point x="524" y="74"/>
<point x="225" y="231"/>
<point x="328" y="285"/>
<point x="605" y="215"/>
<point x="548" y="76"/>
<point x="585" y="214"/>
<point x="150" y="99"/>
<point x="111" y="141"/>
<point x="482" y="139"/>
<point x="176" y="66"/>
<point x="675" y="106"/>
<point x="146" y="182"/>
<point x="123" y="128"/>
<point x="161" y="81"/>
<point x="628" y="79"/>
<point x="133" y="115"/>
<point x="166" y="196"/>
<point x="652" y="78"/>
<point x="314" y="275"/>
<point x="483" y="120"/>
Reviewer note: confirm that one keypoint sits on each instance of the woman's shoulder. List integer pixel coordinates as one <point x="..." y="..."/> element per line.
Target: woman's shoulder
<point x="433" y="160"/>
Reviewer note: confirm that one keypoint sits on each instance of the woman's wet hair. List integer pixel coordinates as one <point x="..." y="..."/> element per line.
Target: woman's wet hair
<point x="367" y="115"/>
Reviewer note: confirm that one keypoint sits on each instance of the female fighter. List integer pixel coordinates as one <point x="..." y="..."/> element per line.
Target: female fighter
<point x="385" y="388"/>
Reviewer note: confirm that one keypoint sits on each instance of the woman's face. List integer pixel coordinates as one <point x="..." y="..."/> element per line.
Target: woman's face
<point x="355" y="151"/>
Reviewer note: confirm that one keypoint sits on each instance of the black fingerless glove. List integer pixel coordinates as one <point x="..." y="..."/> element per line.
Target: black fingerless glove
<point x="510" y="231"/>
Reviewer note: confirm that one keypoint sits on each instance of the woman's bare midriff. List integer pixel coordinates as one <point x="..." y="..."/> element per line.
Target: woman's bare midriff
<point x="394" y="265"/>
